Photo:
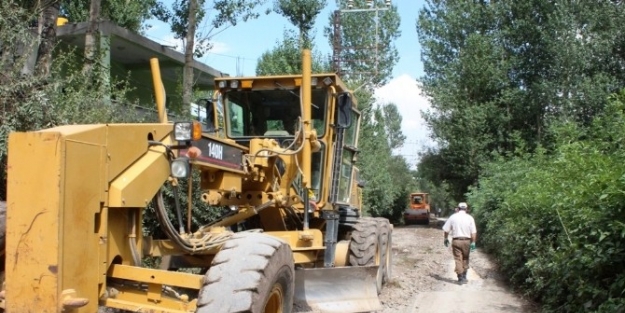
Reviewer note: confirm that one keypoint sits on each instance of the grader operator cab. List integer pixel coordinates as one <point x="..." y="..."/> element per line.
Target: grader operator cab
<point x="279" y="152"/>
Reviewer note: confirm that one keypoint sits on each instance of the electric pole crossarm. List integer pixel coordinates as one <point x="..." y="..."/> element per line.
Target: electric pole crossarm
<point x="363" y="10"/>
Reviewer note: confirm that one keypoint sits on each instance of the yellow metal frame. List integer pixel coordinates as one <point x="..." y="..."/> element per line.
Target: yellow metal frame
<point x="77" y="195"/>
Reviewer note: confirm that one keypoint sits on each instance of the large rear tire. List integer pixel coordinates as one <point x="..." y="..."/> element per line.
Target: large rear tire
<point x="251" y="273"/>
<point x="364" y="248"/>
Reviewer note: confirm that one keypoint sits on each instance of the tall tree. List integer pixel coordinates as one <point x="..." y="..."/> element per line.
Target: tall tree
<point x="187" y="83"/>
<point x="392" y="125"/>
<point x="92" y="36"/>
<point x="184" y="19"/>
<point x="365" y="41"/>
<point x="50" y="11"/>
<point x="374" y="161"/>
<point x="127" y="14"/>
<point x="498" y="73"/>
<point x="286" y="58"/>
<point x="38" y="49"/>
<point x="302" y="14"/>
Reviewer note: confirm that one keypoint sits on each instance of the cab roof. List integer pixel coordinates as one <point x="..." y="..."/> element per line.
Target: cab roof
<point x="281" y="81"/>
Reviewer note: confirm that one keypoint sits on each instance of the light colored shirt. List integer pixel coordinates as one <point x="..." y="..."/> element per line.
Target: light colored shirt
<point x="460" y="225"/>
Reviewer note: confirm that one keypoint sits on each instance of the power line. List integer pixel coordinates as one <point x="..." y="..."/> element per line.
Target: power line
<point x="158" y="39"/>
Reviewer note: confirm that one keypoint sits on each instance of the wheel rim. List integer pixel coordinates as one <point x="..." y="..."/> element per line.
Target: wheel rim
<point x="274" y="303"/>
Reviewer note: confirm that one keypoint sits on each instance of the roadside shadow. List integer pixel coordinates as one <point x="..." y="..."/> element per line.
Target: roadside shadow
<point x="301" y="306"/>
<point x="445" y="279"/>
<point x="509" y="308"/>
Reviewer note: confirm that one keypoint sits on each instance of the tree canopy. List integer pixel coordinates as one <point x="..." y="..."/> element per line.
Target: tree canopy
<point x="128" y="14"/>
<point x="499" y="72"/>
<point x="302" y="14"/>
<point x="365" y="40"/>
<point x="286" y="58"/>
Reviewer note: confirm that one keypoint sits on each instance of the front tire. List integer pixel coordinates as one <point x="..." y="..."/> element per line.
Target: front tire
<point x="251" y="273"/>
<point x="364" y="248"/>
<point x="385" y="242"/>
<point x="385" y="233"/>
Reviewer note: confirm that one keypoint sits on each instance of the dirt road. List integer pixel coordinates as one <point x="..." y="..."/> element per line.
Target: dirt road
<point x="423" y="278"/>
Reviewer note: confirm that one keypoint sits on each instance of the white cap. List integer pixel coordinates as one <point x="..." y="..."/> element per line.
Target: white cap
<point x="462" y="205"/>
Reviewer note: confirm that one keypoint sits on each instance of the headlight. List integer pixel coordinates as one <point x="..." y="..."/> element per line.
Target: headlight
<point x="183" y="131"/>
<point x="223" y="84"/>
<point x="186" y="131"/>
<point x="180" y="168"/>
<point x="234" y="84"/>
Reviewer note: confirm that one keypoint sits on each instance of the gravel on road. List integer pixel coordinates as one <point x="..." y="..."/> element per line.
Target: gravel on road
<point x="423" y="278"/>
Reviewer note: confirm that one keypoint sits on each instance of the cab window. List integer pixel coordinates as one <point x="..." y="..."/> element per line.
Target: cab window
<point x="257" y="113"/>
<point x="417" y="200"/>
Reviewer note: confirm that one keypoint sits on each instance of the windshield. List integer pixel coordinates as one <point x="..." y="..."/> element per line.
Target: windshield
<point x="251" y="113"/>
<point x="417" y="200"/>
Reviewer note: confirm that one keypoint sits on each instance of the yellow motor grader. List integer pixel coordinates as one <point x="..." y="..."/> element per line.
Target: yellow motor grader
<point x="278" y="153"/>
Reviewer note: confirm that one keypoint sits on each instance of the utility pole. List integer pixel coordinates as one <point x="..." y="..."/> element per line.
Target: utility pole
<point x="337" y="38"/>
<point x="337" y="43"/>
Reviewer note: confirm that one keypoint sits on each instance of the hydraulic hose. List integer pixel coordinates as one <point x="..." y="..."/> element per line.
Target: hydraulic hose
<point x="306" y="208"/>
<point x="178" y="210"/>
<point x="196" y="245"/>
<point x="136" y="256"/>
<point x="169" y="229"/>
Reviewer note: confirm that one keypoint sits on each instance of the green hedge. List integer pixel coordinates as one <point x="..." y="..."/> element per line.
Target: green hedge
<point x="557" y="220"/>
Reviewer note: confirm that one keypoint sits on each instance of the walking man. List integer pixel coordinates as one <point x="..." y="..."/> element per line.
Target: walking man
<point x="461" y="225"/>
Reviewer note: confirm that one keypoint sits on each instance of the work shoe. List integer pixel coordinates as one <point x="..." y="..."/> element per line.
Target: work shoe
<point x="462" y="279"/>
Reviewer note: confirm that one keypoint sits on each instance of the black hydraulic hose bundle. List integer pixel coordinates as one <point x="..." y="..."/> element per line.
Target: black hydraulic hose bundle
<point x="168" y="228"/>
<point x="178" y="210"/>
<point x="192" y="245"/>
<point x="202" y="245"/>
<point x="161" y="213"/>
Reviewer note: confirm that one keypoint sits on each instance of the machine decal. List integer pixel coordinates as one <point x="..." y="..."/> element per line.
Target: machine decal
<point x="215" y="150"/>
<point x="217" y="153"/>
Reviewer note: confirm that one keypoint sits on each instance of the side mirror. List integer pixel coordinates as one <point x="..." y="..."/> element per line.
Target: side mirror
<point x="210" y="113"/>
<point x="344" y="110"/>
<point x="361" y="183"/>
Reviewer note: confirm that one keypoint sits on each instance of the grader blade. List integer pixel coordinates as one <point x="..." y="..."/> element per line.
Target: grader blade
<point x="338" y="289"/>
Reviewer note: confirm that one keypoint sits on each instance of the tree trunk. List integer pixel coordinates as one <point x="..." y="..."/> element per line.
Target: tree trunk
<point x="187" y="82"/>
<point x="48" y="37"/>
<point x="92" y="37"/>
<point x="28" y="48"/>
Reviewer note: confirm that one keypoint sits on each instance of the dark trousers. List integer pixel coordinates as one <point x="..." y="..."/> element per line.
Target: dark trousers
<point x="461" y="251"/>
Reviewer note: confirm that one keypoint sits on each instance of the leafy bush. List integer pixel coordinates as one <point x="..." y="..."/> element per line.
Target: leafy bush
<point x="32" y="102"/>
<point x="557" y="220"/>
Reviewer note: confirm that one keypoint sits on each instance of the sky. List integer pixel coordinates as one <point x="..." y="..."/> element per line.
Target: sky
<point x="236" y="51"/>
